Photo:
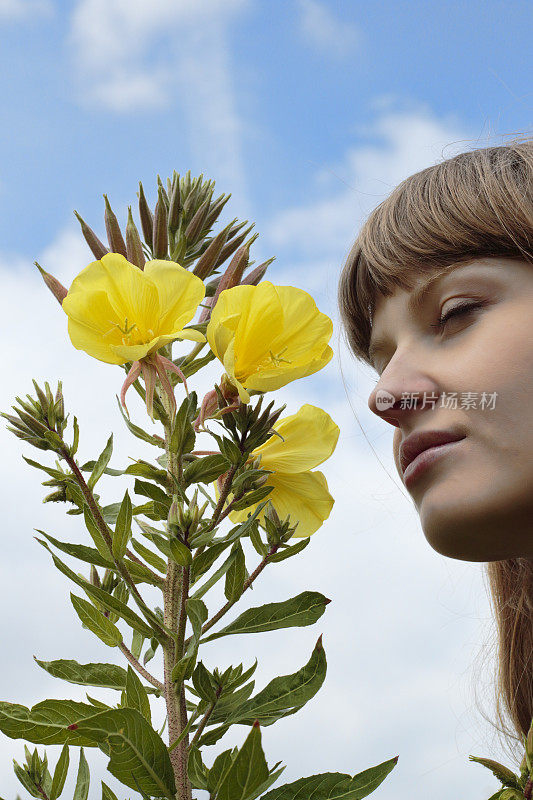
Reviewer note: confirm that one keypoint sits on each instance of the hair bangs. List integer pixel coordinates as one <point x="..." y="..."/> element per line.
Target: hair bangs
<point x="476" y="204"/>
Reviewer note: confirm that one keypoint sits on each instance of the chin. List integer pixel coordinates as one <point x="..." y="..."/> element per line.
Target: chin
<point x="477" y="539"/>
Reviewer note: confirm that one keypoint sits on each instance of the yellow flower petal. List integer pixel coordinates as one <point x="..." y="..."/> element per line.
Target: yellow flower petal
<point x="269" y="380"/>
<point x="310" y="438"/>
<point x="306" y="330"/>
<point x="86" y="338"/>
<point x="130" y="292"/>
<point x="303" y="495"/>
<point x="179" y="291"/>
<point x="278" y="334"/>
<point x="119" y="313"/>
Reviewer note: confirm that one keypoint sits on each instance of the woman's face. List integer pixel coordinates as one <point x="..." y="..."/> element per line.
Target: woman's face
<point x="475" y="500"/>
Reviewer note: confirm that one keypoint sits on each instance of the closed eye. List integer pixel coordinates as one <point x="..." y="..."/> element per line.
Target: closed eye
<point x="459" y="310"/>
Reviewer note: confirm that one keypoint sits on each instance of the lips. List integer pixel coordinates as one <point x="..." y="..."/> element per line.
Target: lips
<point x="416" y="443"/>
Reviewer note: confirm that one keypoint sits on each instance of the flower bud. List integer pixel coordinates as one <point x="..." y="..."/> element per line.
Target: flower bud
<point x="114" y="234"/>
<point x="215" y="211"/>
<point x="207" y="261"/>
<point x="59" y="496"/>
<point x="57" y="289"/>
<point x="230" y="278"/>
<point x="196" y="224"/>
<point x="253" y="277"/>
<point x="160" y="227"/>
<point x="98" y="249"/>
<point x="146" y="217"/>
<point x="133" y="243"/>
<point x="94" y="576"/>
<point x="175" y="206"/>
<point x="234" y="243"/>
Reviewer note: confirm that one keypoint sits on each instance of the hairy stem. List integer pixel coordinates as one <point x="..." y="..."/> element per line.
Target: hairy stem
<point x="175" y="617"/>
<point x="140" y="669"/>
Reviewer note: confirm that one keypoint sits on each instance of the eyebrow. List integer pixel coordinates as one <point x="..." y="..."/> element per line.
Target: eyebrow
<point x="414" y="303"/>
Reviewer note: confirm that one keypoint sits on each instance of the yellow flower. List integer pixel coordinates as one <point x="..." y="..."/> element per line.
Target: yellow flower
<point x="310" y="437"/>
<point x="119" y="313"/>
<point x="267" y="336"/>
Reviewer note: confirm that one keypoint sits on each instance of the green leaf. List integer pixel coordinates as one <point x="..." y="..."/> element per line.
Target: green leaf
<point x="135" y="750"/>
<point x="212" y="737"/>
<point x="216" y="575"/>
<point x="152" y="558"/>
<point x="304" y="609"/>
<point x="107" y="793"/>
<point x="193" y="366"/>
<point x="196" y="769"/>
<point x="109" y="676"/>
<point x="95" y="533"/>
<point x="251" y="498"/>
<point x="110" y="513"/>
<point x="60" y="773"/>
<point x="236" y="575"/>
<point x="96" y="703"/>
<point x="109" y="601"/>
<point x="220" y="766"/>
<point x="54" y="473"/>
<point x="334" y="785"/>
<point x="75" y="438"/>
<point x="183" y="437"/>
<point x="206" y="469"/>
<point x="46" y="722"/>
<point x="90" y="555"/>
<point x="152" y="491"/>
<point x="504" y="774"/>
<point x="25" y="780"/>
<point x="139" y="432"/>
<point x="259" y="546"/>
<point x="281" y="555"/>
<point x="136" y="696"/>
<point x="143" y="469"/>
<point x="202" y="562"/>
<point x="81" y="792"/>
<point x="122" y="528"/>
<point x="197" y="613"/>
<point x="101" y="464"/>
<point x="180" y="552"/>
<point x="248" y="771"/>
<point x="203" y="683"/>
<point x="282" y="697"/>
<point x="96" y="622"/>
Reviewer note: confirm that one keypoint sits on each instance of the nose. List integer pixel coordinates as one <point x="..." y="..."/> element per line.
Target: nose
<point x="401" y="394"/>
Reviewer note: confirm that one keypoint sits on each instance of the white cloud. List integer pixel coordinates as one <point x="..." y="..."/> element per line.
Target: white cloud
<point x="325" y="32"/>
<point x="401" y="142"/>
<point x="25" y="9"/>
<point x="132" y="56"/>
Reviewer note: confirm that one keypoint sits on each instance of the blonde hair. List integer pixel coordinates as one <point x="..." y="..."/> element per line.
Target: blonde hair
<point x="476" y="204"/>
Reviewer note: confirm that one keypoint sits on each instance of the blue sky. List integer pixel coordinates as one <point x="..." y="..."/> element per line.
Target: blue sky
<point x="309" y="112"/>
